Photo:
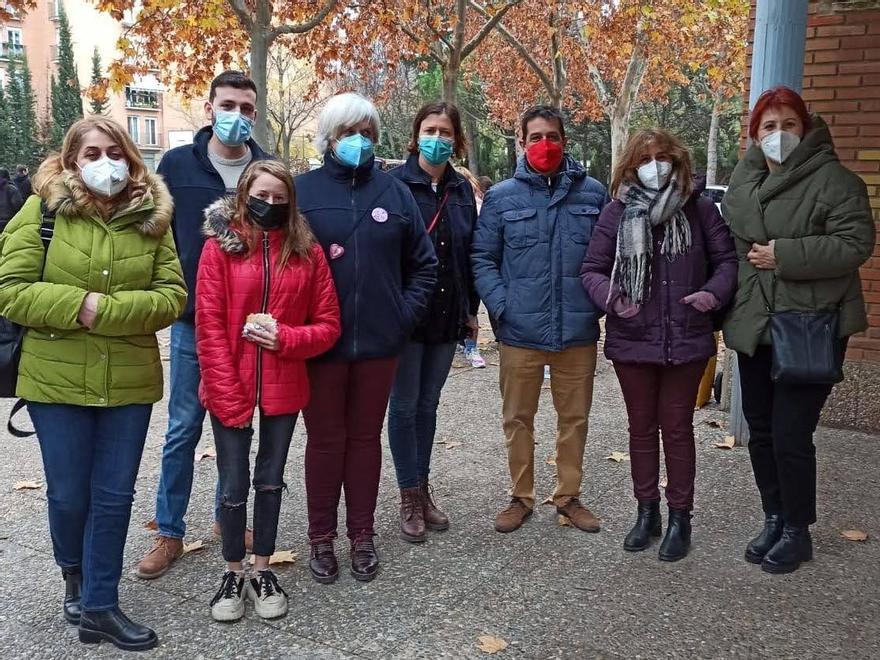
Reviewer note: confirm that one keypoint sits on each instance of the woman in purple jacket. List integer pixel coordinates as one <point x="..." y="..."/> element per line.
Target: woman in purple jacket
<point x="660" y="261"/>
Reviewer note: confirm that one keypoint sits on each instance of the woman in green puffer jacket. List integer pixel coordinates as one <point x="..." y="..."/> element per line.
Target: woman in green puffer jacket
<point x="90" y="368"/>
<point x="802" y="225"/>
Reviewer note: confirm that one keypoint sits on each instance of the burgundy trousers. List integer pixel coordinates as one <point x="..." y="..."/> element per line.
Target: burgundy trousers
<point x="344" y="426"/>
<point x="660" y="401"/>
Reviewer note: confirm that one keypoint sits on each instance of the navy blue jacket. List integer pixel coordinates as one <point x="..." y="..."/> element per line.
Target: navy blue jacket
<point x="459" y="216"/>
<point x="530" y="242"/>
<point x="194" y="184"/>
<point x="387" y="270"/>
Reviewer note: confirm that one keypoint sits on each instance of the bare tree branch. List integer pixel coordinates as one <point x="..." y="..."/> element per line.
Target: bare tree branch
<point x="299" y="28"/>
<point x="487" y="28"/>
<point x="243" y="13"/>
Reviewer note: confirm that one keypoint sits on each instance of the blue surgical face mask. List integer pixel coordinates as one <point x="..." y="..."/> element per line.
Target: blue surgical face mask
<point x="232" y="128"/>
<point x="354" y="150"/>
<point x="435" y="149"/>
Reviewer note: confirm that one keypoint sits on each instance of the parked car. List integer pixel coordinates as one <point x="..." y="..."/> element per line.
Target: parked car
<point x="715" y="193"/>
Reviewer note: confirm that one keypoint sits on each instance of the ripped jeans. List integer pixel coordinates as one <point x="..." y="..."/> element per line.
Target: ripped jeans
<point x="233" y="464"/>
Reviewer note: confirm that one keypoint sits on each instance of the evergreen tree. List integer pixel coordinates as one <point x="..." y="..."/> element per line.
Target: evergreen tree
<point x="98" y="96"/>
<point x="67" y="104"/>
<point x="7" y="157"/>
<point x="23" y="144"/>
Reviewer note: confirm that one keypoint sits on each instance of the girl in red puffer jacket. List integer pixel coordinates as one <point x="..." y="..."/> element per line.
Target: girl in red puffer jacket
<point x="265" y="302"/>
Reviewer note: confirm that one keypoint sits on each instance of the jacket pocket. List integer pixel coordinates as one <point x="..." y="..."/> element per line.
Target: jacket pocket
<point x="520" y="228"/>
<point x="581" y="220"/>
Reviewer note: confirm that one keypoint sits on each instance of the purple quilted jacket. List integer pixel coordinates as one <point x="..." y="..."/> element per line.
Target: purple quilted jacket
<point x="665" y="331"/>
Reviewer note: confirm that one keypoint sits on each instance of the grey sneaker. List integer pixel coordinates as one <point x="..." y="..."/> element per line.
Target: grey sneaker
<point x="228" y="604"/>
<point x="270" y="600"/>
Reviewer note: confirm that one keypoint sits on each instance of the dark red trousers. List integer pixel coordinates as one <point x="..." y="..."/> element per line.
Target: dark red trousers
<point x="344" y="426"/>
<point x="660" y="400"/>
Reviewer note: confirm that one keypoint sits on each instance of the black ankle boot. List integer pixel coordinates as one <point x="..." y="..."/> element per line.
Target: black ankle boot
<point x="648" y="524"/>
<point x="761" y="544"/>
<point x="113" y="626"/>
<point x="322" y="562"/>
<point x="72" y="593"/>
<point x="677" y="541"/>
<point x="794" y="546"/>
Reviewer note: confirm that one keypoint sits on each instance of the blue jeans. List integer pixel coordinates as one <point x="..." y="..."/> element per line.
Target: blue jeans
<point x="91" y="458"/>
<point x="185" y="419"/>
<point x="412" y="410"/>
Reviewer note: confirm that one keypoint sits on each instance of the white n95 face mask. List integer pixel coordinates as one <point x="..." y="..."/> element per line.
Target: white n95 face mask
<point x="778" y="145"/>
<point x="105" y="177"/>
<point x="655" y="175"/>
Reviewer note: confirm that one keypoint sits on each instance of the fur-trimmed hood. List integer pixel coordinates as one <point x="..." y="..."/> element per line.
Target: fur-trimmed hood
<point x="218" y="225"/>
<point x="66" y="194"/>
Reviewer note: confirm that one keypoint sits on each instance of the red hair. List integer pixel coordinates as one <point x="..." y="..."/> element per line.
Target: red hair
<point x="774" y="98"/>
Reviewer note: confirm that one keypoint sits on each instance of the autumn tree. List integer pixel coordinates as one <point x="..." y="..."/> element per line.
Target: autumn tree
<point x="189" y="39"/>
<point x="99" y="101"/>
<point x="67" y="105"/>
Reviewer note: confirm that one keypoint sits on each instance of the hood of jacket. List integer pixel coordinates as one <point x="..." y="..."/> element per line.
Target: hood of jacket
<point x="65" y="194"/>
<point x="218" y="225"/>
<point x="570" y="168"/>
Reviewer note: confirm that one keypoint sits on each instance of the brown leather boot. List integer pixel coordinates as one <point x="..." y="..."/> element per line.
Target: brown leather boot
<point x="513" y="516"/>
<point x="435" y="519"/>
<point x="579" y="515"/>
<point x="412" y="520"/>
<point x="160" y="557"/>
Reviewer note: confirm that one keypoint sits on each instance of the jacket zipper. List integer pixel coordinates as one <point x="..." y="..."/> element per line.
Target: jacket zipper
<point x="559" y="335"/>
<point x="264" y="306"/>
<point x="354" y="219"/>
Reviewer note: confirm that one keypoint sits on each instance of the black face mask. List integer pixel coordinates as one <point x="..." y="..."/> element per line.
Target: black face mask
<point x="267" y="216"/>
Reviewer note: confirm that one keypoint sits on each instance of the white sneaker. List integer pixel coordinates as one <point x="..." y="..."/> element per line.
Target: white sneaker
<point x="270" y="600"/>
<point x="228" y="604"/>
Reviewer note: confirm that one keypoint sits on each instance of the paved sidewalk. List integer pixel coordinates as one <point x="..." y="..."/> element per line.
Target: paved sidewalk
<point x="548" y="591"/>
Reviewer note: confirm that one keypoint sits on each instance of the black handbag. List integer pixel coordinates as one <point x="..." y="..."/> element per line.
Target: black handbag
<point x="805" y="347"/>
<point x="12" y="336"/>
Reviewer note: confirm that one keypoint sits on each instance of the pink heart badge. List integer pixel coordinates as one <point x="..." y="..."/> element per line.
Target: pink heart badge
<point x="336" y="251"/>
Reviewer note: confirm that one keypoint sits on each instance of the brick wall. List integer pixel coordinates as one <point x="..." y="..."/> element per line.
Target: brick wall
<point x="842" y="83"/>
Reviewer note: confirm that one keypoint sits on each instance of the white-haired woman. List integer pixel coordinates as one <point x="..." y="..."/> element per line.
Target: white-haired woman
<point x="384" y="268"/>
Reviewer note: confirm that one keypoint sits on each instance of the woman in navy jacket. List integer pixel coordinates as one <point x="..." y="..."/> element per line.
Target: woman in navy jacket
<point x="384" y="268"/>
<point x="449" y="211"/>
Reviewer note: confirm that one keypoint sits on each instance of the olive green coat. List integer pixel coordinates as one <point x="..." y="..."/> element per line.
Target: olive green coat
<point x="131" y="259"/>
<point x="818" y="213"/>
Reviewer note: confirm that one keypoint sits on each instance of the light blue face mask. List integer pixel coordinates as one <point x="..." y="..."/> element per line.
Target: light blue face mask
<point x="354" y="150"/>
<point x="232" y="128"/>
<point x="436" y="150"/>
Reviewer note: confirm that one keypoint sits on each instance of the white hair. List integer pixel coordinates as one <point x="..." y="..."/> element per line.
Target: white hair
<point x="342" y="112"/>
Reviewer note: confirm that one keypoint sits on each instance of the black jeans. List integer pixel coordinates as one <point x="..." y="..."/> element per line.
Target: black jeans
<point x="782" y="419"/>
<point x="233" y="464"/>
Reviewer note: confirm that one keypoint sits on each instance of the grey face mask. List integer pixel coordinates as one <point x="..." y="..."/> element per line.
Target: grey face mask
<point x="778" y="145"/>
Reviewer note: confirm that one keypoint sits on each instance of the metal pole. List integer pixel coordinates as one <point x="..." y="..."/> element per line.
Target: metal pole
<point x="779" y="45"/>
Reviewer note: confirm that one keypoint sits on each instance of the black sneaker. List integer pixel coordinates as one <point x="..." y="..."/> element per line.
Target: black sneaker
<point x="228" y="604"/>
<point x="270" y="600"/>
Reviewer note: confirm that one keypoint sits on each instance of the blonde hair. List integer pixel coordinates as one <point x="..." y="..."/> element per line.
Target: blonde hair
<point x="298" y="236"/>
<point x="625" y="172"/>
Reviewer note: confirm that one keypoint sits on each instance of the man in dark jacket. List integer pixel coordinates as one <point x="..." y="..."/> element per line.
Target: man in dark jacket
<point x="22" y="181"/>
<point x="197" y="175"/>
<point x="10" y="199"/>
<point x="531" y="238"/>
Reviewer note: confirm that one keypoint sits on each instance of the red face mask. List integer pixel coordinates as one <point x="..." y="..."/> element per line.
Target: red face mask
<point x="544" y="156"/>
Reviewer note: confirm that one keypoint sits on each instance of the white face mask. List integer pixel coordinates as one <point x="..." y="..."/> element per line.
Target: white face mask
<point x="778" y="145"/>
<point x="106" y="177"/>
<point x="655" y="175"/>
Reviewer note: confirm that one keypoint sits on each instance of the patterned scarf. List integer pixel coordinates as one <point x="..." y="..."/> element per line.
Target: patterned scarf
<point x="646" y="209"/>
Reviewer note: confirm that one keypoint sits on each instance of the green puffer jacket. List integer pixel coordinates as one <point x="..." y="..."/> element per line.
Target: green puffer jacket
<point x="818" y="213"/>
<point x="131" y="259"/>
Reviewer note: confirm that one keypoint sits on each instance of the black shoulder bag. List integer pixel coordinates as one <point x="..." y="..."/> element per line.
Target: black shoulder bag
<point x="805" y="346"/>
<point x="12" y="335"/>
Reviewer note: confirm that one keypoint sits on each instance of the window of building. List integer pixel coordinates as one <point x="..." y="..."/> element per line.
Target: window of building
<point x="150" y="131"/>
<point x="141" y="98"/>
<point x="149" y="161"/>
<point x="13" y="45"/>
<point x="134" y="129"/>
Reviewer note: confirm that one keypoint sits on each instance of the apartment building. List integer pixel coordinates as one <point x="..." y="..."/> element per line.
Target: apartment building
<point x="156" y="119"/>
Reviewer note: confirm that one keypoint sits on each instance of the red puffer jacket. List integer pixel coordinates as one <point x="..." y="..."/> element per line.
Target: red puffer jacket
<point x="237" y="375"/>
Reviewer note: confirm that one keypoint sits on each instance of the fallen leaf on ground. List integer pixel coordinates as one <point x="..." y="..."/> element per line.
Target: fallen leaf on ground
<point x="550" y="460"/>
<point x="151" y="524"/>
<point x="854" y="535"/>
<point x="284" y="557"/>
<point x="563" y="521"/>
<point x="618" y="456"/>
<point x="549" y="500"/>
<point x="27" y="485"/>
<point x="195" y="546"/>
<point x="453" y="445"/>
<point x="728" y="443"/>
<point x="491" y="645"/>
<point x="664" y="482"/>
<point x="207" y="452"/>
